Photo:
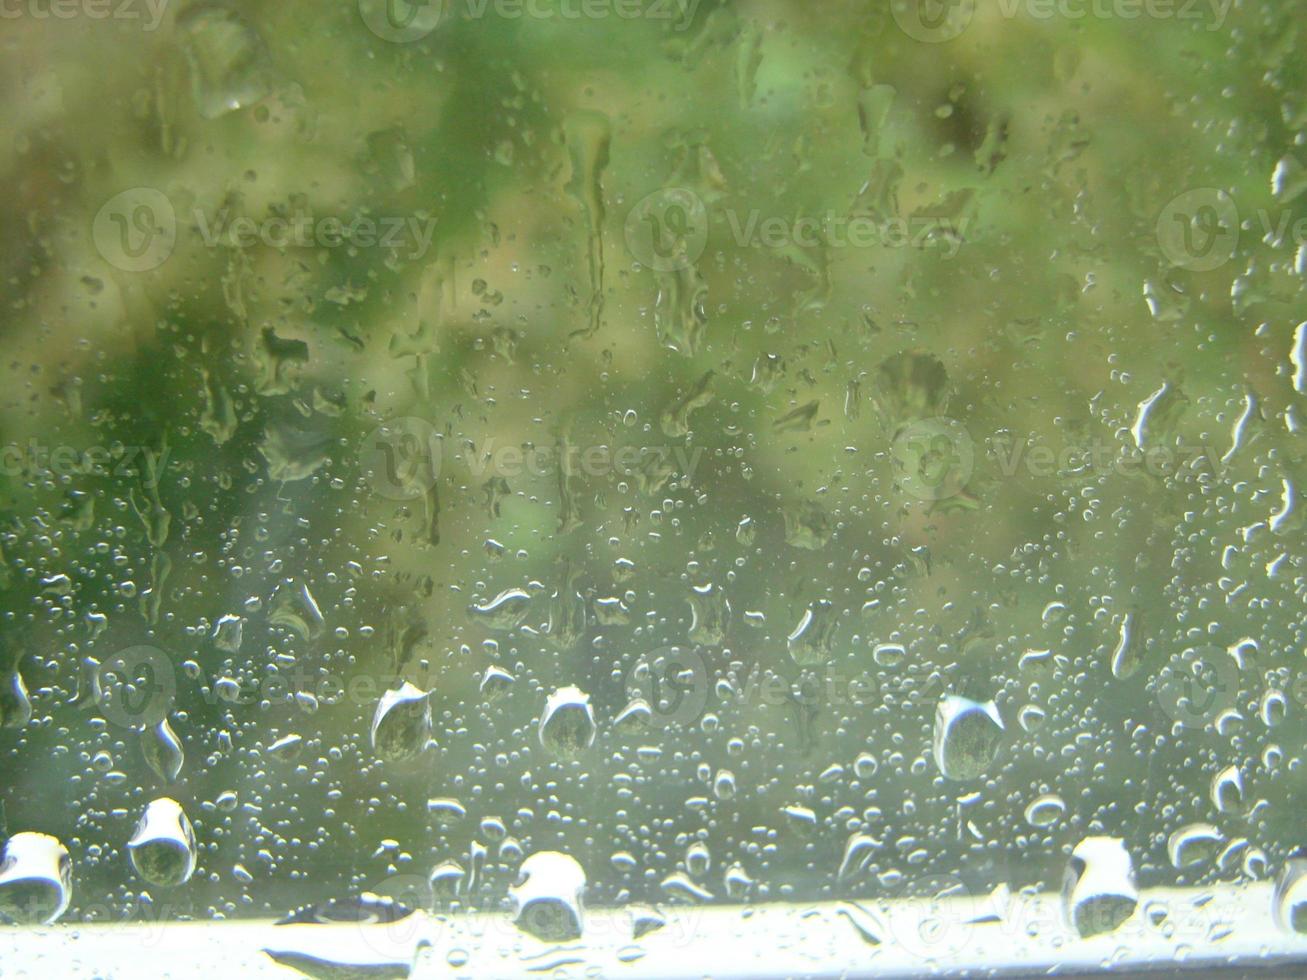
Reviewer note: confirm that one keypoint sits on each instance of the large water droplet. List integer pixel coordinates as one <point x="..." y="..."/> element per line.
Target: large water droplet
<point x="1098" y="889"/>
<point x="547" y="898"/>
<point x="567" y="726"/>
<point x="1290" y="897"/>
<point x="36" y="879"/>
<point x="967" y="737"/>
<point x="163" y="848"/>
<point x="228" y="60"/>
<point x="402" y="724"/>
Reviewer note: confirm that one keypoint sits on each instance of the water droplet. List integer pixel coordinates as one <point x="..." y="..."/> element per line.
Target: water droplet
<point x="1193" y="844"/>
<point x="810" y="642"/>
<point x="1046" y="810"/>
<point x="287" y="748"/>
<point x="1098" y="889"/>
<point x="888" y="654"/>
<point x="968" y="735"/>
<point x="15" y="705"/>
<point x="1290" y="897"/>
<point x="505" y="611"/>
<point x="36" y="879"/>
<point x="547" y="897"/>
<point x="163" y="848"/>
<point x="697" y="859"/>
<point x="1227" y="790"/>
<point x="228" y="60"/>
<point x="645" y="920"/>
<point x="402" y="724"/>
<point x="495" y="683"/>
<point x="567" y="726"/>
<point x="162" y="750"/>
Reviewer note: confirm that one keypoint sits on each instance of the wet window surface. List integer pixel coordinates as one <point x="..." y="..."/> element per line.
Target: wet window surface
<point x="655" y="462"/>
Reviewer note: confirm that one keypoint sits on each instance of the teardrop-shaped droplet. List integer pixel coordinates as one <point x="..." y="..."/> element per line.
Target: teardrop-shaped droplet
<point x="505" y="611"/>
<point x="857" y="852"/>
<point x="15" y="705"/>
<point x="1127" y="655"/>
<point x="162" y="750"/>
